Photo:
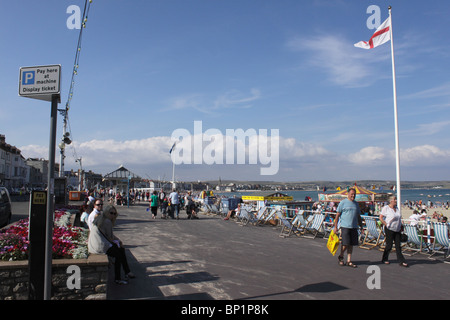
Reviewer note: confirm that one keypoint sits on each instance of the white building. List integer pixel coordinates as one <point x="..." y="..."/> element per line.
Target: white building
<point x="13" y="169"/>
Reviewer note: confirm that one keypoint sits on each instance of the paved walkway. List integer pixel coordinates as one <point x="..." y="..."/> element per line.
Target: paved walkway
<point x="213" y="259"/>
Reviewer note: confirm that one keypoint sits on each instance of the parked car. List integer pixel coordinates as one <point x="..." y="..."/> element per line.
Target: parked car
<point x="5" y="207"/>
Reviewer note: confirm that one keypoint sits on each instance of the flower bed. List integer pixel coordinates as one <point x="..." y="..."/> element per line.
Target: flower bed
<point x="68" y="241"/>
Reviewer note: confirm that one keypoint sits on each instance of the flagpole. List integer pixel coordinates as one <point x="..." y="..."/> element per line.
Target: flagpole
<point x="173" y="165"/>
<point x="173" y="175"/>
<point x="397" y="147"/>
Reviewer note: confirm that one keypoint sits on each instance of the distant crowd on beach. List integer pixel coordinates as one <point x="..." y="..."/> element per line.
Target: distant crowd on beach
<point x="420" y="205"/>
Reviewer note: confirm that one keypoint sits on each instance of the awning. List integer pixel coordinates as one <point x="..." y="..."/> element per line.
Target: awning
<point x="362" y="195"/>
<point x="267" y="196"/>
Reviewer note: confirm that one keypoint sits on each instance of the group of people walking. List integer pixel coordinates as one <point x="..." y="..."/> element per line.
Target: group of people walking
<point x="349" y="213"/>
<point x="170" y="205"/>
<point x="101" y="220"/>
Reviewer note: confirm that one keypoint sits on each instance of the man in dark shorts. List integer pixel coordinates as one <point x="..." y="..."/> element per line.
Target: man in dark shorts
<point x="350" y="214"/>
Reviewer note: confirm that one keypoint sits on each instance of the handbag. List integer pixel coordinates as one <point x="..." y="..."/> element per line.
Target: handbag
<point x="113" y="243"/>
<point x="333" y="243"/>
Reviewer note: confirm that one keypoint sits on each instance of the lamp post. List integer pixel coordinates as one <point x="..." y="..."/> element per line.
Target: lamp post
<point x="65" y="140"/>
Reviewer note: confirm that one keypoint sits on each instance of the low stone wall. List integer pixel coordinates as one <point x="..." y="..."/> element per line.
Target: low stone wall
<point x="14" y="279"/>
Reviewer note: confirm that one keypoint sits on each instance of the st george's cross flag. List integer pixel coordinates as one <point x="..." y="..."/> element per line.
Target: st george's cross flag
<point x="173" y="147"/>
<point x="381" y="35"/>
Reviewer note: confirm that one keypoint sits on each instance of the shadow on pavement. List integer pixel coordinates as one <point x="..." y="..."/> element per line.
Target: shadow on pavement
<point x="147" y="284"/>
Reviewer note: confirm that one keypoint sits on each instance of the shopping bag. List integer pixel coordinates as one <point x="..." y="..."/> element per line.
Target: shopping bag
<point x="333" y="243"/>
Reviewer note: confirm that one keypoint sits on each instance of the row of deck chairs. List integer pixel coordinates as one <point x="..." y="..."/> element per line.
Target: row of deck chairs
<point x="308" y="227"/>
<point x="210" y="208"/>
<point x="373" y="237"/>
<point x="249" y="216"/>
<point x="314" y="225"/>
<point x="416" y="243"/>
<point x="441" y="239"/>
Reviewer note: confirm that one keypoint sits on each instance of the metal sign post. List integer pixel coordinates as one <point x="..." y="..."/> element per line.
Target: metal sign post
<point x="36" y="236"/>
<point x="43" y="83"/>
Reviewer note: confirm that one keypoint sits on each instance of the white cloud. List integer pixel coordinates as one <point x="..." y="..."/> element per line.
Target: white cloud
<point x="293" y="150"/>
<point x="208" y="105"/>
<point x="420" y="156"/>
<point x="339" y="59"/>
<point x="235" y="98"/>
<point x="442" y="90"/>
<point x="297" y="160"/>
<point x="368" y="156"/>
<point x="34" y="151"/>
<point x="424" y="155"/>
<point x="426" y="129"/>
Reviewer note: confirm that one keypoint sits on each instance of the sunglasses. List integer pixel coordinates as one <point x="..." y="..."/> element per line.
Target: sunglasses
<point x="99" y="204"/>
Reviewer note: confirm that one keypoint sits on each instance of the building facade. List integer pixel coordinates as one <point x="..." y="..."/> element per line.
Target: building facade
<point x="13" y="169"/>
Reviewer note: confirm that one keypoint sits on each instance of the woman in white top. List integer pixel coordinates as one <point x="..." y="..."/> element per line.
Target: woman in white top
<point x="391" y="218"/>
<point x="103" y="241"/>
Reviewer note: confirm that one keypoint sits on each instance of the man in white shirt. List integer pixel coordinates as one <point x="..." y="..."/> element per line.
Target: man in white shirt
<point x="175" y="202"/>
<point x="98" y="208"/>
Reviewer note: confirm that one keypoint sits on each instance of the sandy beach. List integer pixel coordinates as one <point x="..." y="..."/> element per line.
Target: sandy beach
<point x="407" y="212"/>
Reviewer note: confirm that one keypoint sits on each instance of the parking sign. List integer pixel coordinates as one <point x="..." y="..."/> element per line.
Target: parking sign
<point x="28" y="78"/>
<point x="41" y="82"/>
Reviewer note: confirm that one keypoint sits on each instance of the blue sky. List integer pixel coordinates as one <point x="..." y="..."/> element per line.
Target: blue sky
<point x="148" y="68"/>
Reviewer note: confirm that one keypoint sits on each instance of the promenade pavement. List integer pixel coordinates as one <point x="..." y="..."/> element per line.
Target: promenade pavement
<point x="213" y="259"/>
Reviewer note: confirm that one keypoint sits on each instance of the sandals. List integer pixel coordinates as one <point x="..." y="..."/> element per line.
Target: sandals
<point x="402" y="264"/>
<point x="349" y="263"/>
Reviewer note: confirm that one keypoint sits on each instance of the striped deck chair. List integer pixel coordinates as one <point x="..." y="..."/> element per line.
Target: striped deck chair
<point x="287" y="227"/>
<point x="223" y="210"/>
<point x="300" y="222"/>
<point x="268" y="215"/>
<point x="262" y="214"/>
<point x="316" y="226"/>
<point x="441" y="238"/>
<point x="206" y="208"/>
<point x="415" y="243"/>
<point x="374" y="236"/>
<point x="257" y="216"/>
<point x="215" y="210"/>
<point x="244" y="216"/>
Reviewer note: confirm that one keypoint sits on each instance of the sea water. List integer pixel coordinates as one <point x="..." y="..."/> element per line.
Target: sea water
<point x="434" y="195"/>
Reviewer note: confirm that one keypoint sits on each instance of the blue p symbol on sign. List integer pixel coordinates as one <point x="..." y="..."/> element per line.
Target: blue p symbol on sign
<point x="28" y="77"/>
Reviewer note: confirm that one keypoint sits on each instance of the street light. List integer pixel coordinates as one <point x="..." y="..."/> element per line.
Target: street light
<point x="62" y="145"/>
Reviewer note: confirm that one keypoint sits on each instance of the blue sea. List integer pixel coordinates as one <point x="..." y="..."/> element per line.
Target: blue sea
<point x="434" y="195"/>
